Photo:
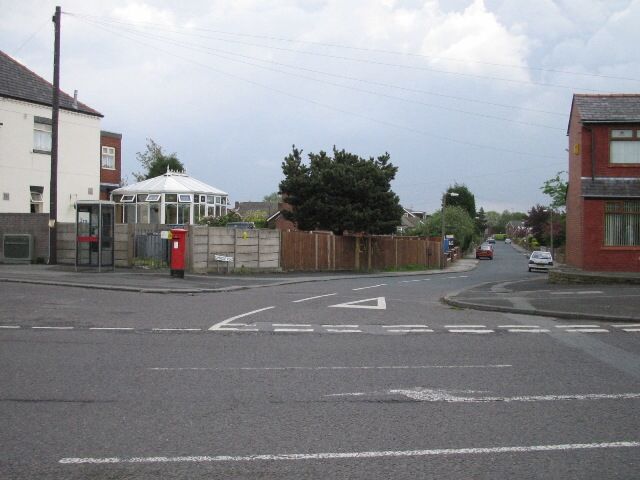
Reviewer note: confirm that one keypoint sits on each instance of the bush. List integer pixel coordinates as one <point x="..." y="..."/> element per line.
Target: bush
<point x="500" y="236"/>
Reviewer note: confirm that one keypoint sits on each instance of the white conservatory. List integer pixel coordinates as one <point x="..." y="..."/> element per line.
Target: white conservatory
<point x="170" y="199"/>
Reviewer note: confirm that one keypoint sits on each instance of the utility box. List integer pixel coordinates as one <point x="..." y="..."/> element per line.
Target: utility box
<point x="178" y="251"/>
<point x="17" y="248"/>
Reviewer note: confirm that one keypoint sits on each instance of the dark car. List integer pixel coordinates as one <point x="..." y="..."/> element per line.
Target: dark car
<point x="484" y="251"/>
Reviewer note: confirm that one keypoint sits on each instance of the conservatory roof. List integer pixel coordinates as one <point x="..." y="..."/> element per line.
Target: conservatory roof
<point x="170" y="182"/>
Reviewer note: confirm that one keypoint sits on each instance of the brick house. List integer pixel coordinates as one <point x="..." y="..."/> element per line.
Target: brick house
<point x="603" y="198"/>
<point x="110" y="163"/>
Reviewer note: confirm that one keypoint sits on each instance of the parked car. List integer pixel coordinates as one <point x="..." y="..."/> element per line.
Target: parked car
<point x="484" y="251"/>
<point x="507" y="241"/>
<point x="491" y="240"/>
<point x="540" y="260"/>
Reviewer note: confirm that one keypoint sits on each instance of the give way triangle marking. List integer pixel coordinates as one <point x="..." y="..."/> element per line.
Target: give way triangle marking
<point x="381" y="304"/>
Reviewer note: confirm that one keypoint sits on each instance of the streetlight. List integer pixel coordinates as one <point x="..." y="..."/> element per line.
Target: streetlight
<point x="444" y="205"/>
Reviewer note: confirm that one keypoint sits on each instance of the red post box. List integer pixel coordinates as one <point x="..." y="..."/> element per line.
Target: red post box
<point x="178" y="251"/>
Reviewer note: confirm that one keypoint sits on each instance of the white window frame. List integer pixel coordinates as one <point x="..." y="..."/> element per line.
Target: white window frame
<point x="624" y="147"/>
<point x="185" y="198"/>
<point x="153" y="197"/>
<point x="108" y="158"/>
<point x="42" y="136"/>
<point x="128" y="198"/>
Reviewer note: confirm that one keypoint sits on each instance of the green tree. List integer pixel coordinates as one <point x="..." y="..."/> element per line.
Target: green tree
<point x="457" y="223"/>
<point x="481" y="221"/>
<point x="556" y="188"/>
<point x="272" y="197"/>
<point x="155" y="162"/>
<point x="340" y="193"/>
<point x="258" y="217"/>
<point x="220" y="221"/>
<point x="465" y="199"/>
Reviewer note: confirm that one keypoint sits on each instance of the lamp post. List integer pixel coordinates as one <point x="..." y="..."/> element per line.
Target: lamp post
<point x="550" y="210"/>
<point x="444" y="205"/>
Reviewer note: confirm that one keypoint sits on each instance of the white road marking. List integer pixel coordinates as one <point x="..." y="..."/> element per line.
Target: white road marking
<point x="229" y="320"/>
<point x="441" y="395"/>
<point x="300" y="330"/>
<point x="380" y="367"/>
<point x="9" y="326"/>
<point x="577" y="326"/>
<point x="405" y="326"/>
<point x="410" y="281"/>
<point x="518" y="326"/>
<point x="587" y="330"/>
<point x="412" y="330"/>
<point x="349" y="455"/>
<point x="176" y="329"/>
<point x="627" y="325"/>
<point x="528" y="330"/>
<point x="291" y="324"/>
<point x="335" y="330"/>
<point x="233" y="329"/>
<point x="631" y="329"/>
<point x="381" y="304"/>
<point x="340" y="326"/>
<point x="465" y="326"/>
<point x="52" y="328"/>
<point x="372" y="286"/>
<point x="469" y="330"/>
<point x="313" y="298"/>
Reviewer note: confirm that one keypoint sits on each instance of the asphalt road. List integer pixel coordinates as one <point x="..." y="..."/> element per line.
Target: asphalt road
<point x="355" y="378"/>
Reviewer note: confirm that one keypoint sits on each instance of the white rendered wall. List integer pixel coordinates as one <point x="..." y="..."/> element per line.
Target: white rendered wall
<point x="20" y="167"/>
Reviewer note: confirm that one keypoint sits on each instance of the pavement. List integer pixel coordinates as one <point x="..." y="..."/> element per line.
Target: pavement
<point x="160" y="281"/>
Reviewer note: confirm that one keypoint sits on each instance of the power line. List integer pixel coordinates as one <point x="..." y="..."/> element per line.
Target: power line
<point x="209" y="51"/>
<point x="387" y="64"/>
<point x="331" y="107"/>
<point x="364" y="49"/>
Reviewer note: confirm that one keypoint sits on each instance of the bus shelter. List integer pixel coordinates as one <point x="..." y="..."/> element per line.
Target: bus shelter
<point x="95" y="234"/>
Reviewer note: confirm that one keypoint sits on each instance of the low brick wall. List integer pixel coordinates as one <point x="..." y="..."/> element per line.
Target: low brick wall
<point x="569" y="275"/>
<point x="35" y="224"/>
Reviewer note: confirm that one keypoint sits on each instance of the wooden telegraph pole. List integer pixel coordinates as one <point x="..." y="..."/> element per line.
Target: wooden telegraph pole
<point x="55" y="103"/>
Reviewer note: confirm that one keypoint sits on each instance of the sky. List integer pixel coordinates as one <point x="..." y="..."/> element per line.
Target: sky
<point x="474" y="92"/>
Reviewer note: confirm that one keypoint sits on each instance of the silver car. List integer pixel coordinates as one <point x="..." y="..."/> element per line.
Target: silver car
<point x="540" y="260"/>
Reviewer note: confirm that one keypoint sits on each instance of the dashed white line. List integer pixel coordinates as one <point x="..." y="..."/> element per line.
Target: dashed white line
<point x="405" y="326"/>
<point x="627" y="325"/>
<point x="410" y="330"/>
<point x="302" y="330"/>
<point x="587" y="330"/>
<point x="350" y="455"/>
<point x="313" y="298"/>
<point x="469" y="330"/>
<point x="52" y="328"/>
<point x="9" y="326"/>
<point x="631" y="329"/>
<point x="335" y="330"/>
<point x="340" y="326"/>
<point x="577" y="326"/>
<point x="465" y="326"/>
<point x="411" y="281"/>
<point x="111" y="328"/>
<point x="372" y="286"/>
<point x="176" y="329"/>
<point x="362" y="367"/>
<point x="528" y="330"/>
<point x="518" y="326"/>
<point x="291" y="324"/>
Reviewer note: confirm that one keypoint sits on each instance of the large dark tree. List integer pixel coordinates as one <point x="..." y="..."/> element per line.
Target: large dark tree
<point x="538" y="220"/>
<point x="340" y="193"/>
<point x="155" y="162"/>
<point x="465" y="199"/>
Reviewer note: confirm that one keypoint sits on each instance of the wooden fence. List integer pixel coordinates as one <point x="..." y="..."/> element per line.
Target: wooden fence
<point x="322" y="251"/>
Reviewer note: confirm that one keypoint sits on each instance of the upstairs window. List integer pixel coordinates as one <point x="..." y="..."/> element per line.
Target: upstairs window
<point x="109" y="158"/>
<point x="41" y="135"/>
<point x="36" y="199"/>
<point x="624" y="147"/>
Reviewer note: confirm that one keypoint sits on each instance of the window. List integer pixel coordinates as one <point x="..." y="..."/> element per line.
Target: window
<point x="36" y="199"/>
<point x="184" y="198"/>
<point x="41" y="135"/>
<point x="153" y="197"/>
<point x="128" y="198"/>
<point x="624" y="147"/>
<point x="109" y="158"/>
<point x="622" y="224"/>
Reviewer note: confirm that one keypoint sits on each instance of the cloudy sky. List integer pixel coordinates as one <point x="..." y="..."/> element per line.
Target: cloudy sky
<point x="468" y="91"/>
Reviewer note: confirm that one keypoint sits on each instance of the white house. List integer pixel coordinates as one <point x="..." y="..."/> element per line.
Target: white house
<point x="170" y="199"/>
<point x="25" y="145"/>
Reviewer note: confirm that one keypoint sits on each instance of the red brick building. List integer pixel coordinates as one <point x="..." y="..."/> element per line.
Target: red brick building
<point x="603" y="198"/>
<point x="110" y="163"/>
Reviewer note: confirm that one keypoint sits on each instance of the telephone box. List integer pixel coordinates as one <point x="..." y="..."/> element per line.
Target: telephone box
<point x="95" y="233"/>
<point x="178" y="251"/>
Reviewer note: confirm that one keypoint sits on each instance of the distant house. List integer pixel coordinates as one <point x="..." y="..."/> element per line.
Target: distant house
<point x="516" y="228"/>
<point x="246" y="208"/>
<point x="410" y="219"/>
<point x="25" y="145"/>
<point x="603" y="198"/>
<point x="172" y="198"/>
<point x="110" y="163"/>
<point x="277" y="220"/>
